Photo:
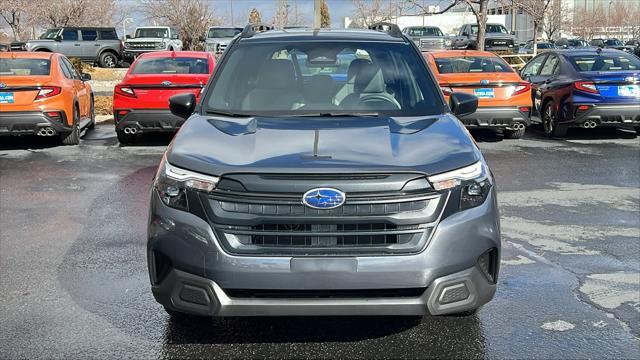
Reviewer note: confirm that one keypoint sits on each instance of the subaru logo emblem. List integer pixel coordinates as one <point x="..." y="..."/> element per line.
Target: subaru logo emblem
<point x="484" y="82"/>
<point x="3" y="85"/>
<point x="323" y="198"/>
<point x="166" y="83"/>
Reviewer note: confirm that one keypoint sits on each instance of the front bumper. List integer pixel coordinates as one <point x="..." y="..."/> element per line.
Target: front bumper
<point x="496" y="117"/>
<point x="202" y="278"/>
<point x="148" y="120"/>
<point x="608" y="114"/>
<point x="29" y="123"/>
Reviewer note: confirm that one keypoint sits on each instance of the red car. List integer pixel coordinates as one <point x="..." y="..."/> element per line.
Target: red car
<point x="141" y="100"/>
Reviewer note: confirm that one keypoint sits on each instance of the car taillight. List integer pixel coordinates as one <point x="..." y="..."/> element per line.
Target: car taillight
<point x="586" y="86"/>
<point x="126" y="91"/>
<point x="47" y="92"/>
<point x="521" y="88"/>
<point x="446" y="90"/>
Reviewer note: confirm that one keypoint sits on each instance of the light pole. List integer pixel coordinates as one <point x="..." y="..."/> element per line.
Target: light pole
<point x="124" y="26"/>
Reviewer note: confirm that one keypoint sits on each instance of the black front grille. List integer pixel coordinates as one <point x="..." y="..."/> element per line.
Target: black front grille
<point x="326" y="235"/>
<point x="325" y="294"/>
<point x="381" y="218"/>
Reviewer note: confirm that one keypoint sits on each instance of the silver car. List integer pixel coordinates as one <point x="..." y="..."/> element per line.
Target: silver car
<point x="218" y="38"/>
<point x="426" y="37"/>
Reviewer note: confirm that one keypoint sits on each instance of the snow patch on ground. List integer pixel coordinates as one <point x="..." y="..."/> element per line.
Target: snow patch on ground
<point x="559" y="325"/>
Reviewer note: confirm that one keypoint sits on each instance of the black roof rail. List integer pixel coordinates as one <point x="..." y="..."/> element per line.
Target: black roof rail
<point x="252" y="29"/>
<point x="389" y="28"/>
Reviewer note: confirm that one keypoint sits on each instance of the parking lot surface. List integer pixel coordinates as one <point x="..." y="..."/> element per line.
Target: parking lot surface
<point x="73" y="276"/>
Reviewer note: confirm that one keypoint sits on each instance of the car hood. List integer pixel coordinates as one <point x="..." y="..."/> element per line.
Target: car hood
<point x="219" y="146"/>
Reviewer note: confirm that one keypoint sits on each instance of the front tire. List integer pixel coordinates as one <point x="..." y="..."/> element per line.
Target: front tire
<point x="549" y="121"/>
<point x="73" y="138"/>
<point x="108" y="60"/>
<point x="513" y="134"/>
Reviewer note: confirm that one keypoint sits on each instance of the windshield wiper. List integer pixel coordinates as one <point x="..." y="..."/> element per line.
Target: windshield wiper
<point x="227" y="113"/>
<point x="337" y="114"/>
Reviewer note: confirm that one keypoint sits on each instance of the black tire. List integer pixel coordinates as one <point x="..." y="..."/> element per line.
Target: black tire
<point x="637" y="129"/>
<point x="92" y="114"/>
<point x="513" y="134"/>
<point x="73" y="138"/>
<point x="549" y="123"/>
<point x="125" y="139"/>
<point x="108" y="60"/>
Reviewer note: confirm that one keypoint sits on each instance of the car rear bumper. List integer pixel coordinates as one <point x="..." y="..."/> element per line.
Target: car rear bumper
<point x="29" y="123"/>
<point x="148" y="120"/>
<point x="496" y="117"/>
<point x="191" y="272"/>
<point x="608" y="114"/>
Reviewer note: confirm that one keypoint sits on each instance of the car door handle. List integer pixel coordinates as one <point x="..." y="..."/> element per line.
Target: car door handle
<point x="76" y="44"/>
<point x="96" y="44"/>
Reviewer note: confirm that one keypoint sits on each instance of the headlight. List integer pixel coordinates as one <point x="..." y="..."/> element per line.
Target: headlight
<point x="172" y="184"/>
<point x="127" y="45"/>
<point x="26" y="46"/>
<point x="473" y="181"/>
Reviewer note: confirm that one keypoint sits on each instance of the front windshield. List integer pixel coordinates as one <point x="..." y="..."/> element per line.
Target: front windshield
<point x="223" y="33"/>
<point x="613" y="42"/>
<point x="295" y="78"/>
<point x="152" y="33"/>
<point x="50" y="34"/>
<point x="471" y="64"/>
<point x="605" y="62"/>
<point x="490" y="28"/>
<point x="425" y="31"/>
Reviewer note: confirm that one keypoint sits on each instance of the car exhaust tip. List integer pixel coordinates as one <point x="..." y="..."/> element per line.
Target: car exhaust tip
<point x="130" y="130"/>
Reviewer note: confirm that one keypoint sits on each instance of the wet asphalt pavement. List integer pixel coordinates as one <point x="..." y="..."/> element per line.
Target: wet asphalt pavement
<point x="73" y="277"/>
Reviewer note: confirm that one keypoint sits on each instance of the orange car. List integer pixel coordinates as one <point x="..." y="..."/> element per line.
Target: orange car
<point x="42" y="94"/>
<point x="504" y="99"/>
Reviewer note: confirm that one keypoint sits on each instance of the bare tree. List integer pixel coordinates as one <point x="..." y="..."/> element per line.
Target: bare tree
<point x="254" y="16"/>
<point x="281" y="18"/>
<point x="76" y="12"/>
<point x="325" y="17"/>
<point x="477" y="7"/>
<point x="555" y="19"/>
<point x="369" y="12"/>
<point x="190" y="17"/>
<point x="588" y="22"/>
<point x="18" y="15"/>
<point x="538" y="10"/>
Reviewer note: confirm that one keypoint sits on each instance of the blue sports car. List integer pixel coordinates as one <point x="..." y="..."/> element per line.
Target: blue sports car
<point x="584" y="88"/>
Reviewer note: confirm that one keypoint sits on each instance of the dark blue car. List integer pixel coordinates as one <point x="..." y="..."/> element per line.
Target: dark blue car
<point x="584" y="88"/>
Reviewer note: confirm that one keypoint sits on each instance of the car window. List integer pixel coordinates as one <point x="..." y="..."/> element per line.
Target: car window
<point x="324" y="77"/>
<point x="532" y="68"/>
<point x="89" y="35"/>
<point x="605" y="62"/>
<point x="223" y="32"/>
<point x="151" y="33"/>
<point x="471" y="64"/>
<point x="65" y="70"/>
<point x="108" y="35"/>
<point x="70" y="68"/>
<point x="70" y="35"/>
<point x="549" y="66"/>
<point x="24" y="67"/>
<point x="171" y="65"/>
<point x="50" y="34"/>
<point x="425" y="31"/>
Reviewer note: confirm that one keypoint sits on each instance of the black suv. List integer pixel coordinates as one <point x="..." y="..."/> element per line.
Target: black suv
<point x="94" y="44"/>
<point x="322" y="173"/>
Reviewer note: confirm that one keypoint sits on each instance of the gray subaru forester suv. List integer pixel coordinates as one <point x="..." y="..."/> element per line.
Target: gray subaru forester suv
<point x="299" y="186"/>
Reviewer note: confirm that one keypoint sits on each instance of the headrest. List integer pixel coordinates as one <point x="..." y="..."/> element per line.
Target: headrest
<point x="354" y="68"/>
<point x="276" y="74"/>
<point x="369" y="79"/>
